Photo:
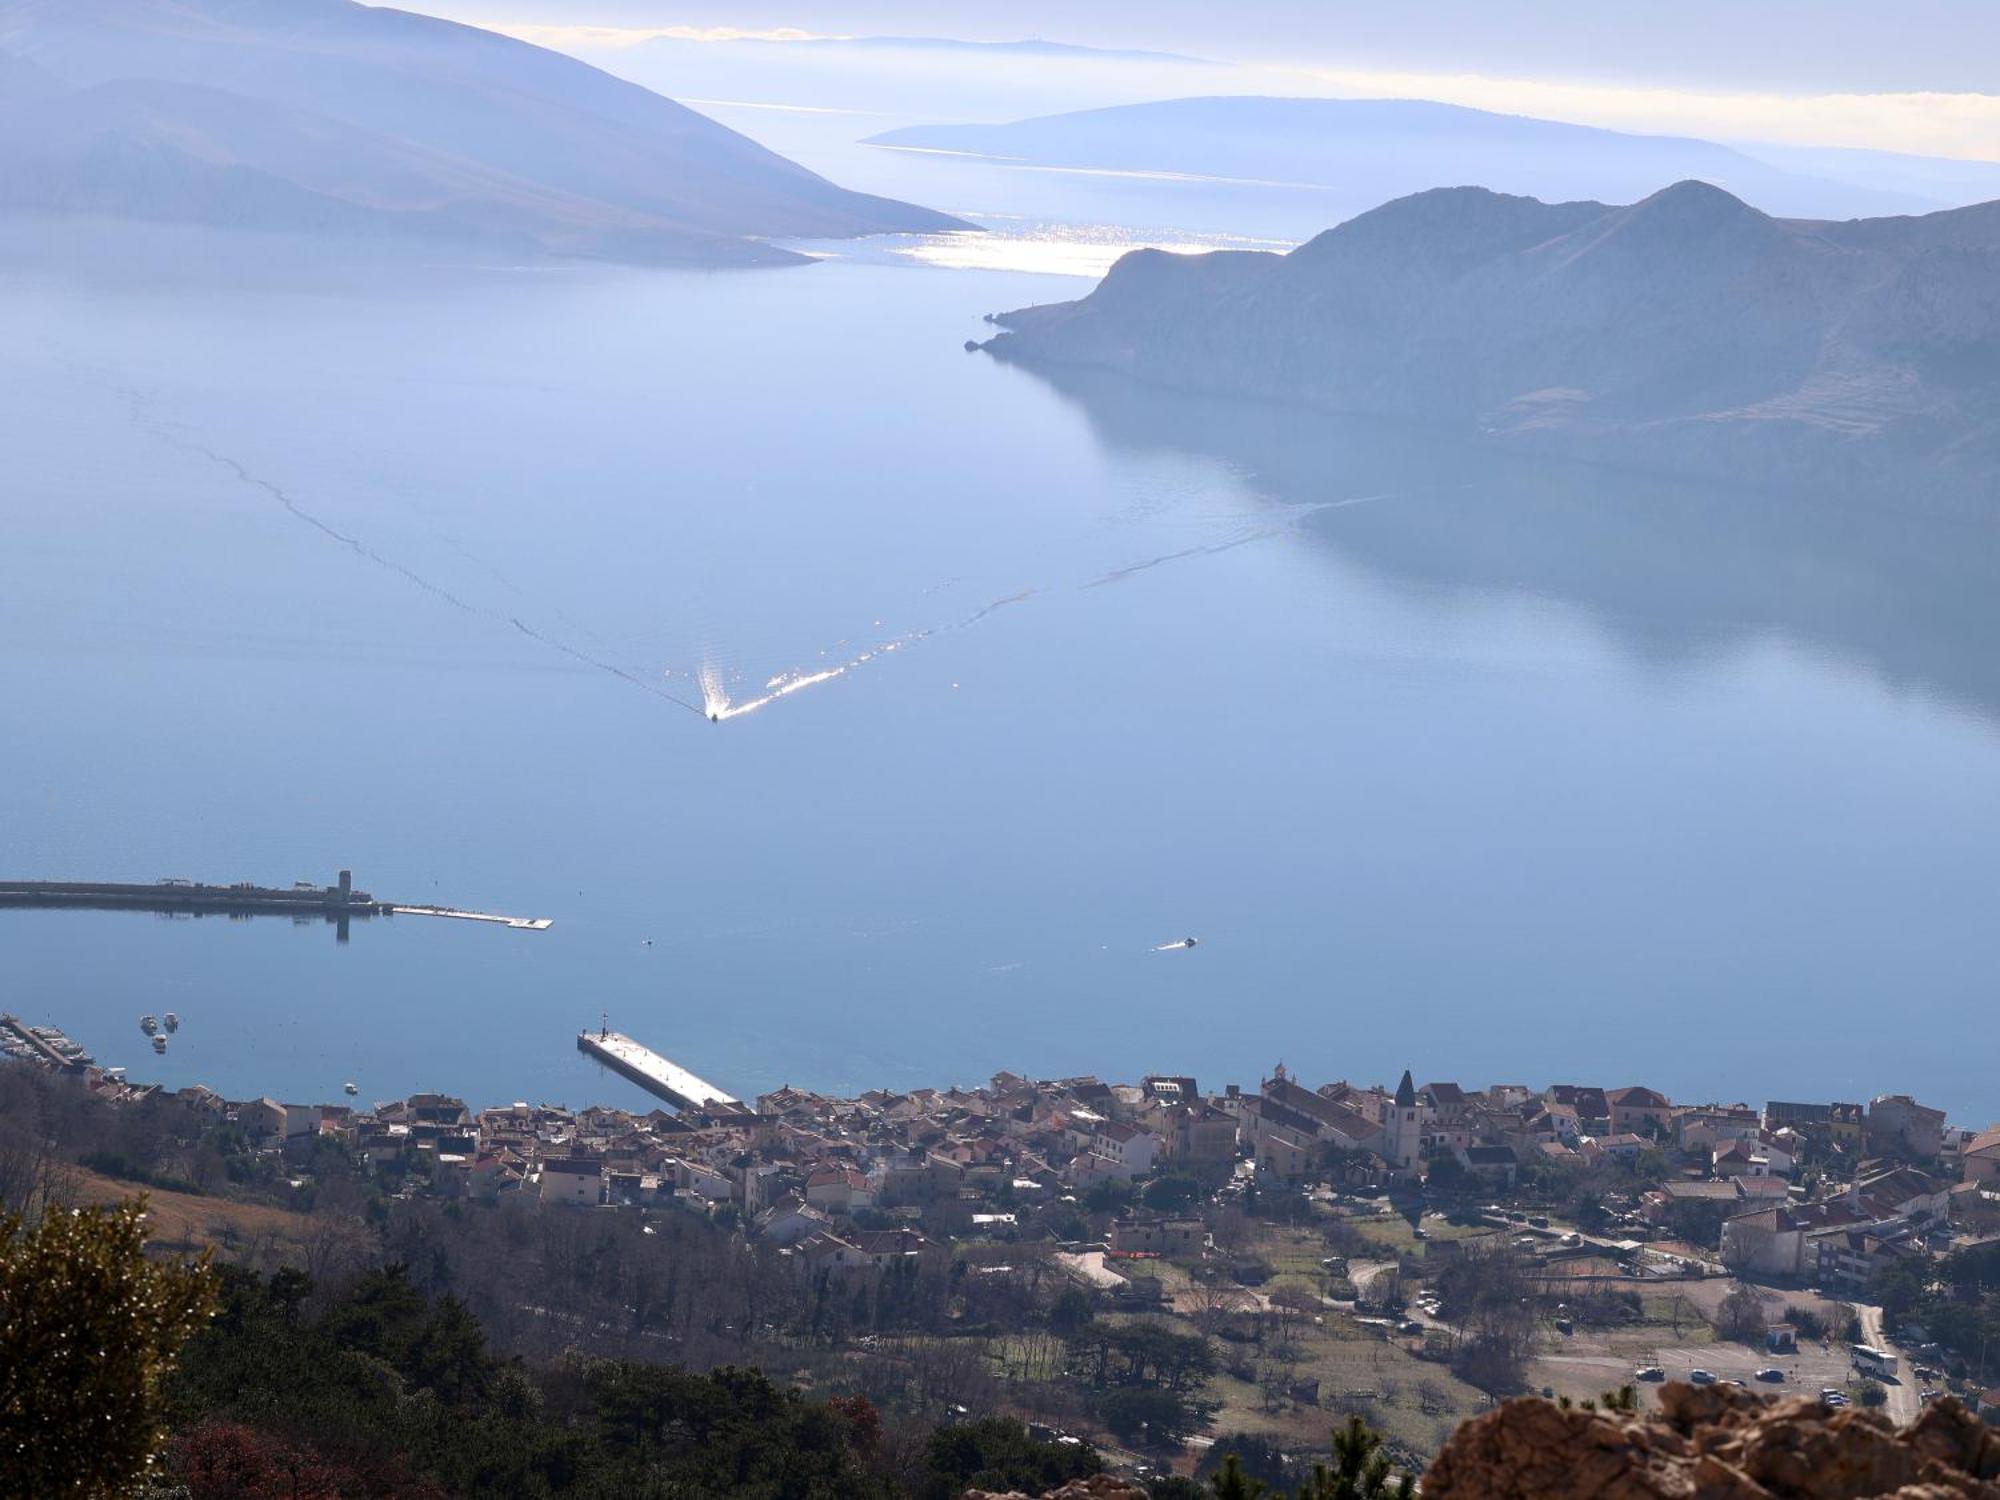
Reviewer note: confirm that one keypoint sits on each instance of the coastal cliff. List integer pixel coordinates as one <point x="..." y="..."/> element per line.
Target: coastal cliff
<point x="1687" y="333"/>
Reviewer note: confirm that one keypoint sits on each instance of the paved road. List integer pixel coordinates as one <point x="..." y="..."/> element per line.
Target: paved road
<point x="1363" y="1273"/>
<point x="1903" y="1405"/>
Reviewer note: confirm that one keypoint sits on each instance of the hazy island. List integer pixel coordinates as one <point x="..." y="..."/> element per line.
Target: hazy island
<point x="1356" y="153"/>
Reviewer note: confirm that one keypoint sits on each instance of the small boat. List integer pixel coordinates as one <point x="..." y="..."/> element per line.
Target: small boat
<point x="349" y="1089"/>
<point x="148" y="1025"/>
<point x="159" y="1044"/>
<point x="172" y="1023"/>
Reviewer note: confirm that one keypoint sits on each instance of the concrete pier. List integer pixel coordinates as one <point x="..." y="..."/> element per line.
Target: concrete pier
<point x="339" y="903"/>
<point x="522" y="924"/>
<point x="657" y="1075"/>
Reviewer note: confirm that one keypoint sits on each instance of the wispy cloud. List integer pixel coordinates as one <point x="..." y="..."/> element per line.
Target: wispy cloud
<point x="1962" y="125"/>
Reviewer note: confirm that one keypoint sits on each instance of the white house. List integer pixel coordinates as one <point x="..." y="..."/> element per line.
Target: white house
<point x="1765" y="1242"/>
<point x="703" y="1181"/>
<point x="1132" y="1148"/>
<point x="790" y="1220"/>
<point x="572" y="1180"/>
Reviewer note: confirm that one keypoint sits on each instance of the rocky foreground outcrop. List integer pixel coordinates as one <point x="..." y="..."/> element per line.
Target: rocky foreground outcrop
<point x="1718" y="1443"/>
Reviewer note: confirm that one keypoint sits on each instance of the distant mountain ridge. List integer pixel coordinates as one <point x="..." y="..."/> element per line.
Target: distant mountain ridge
<point x="1687" y="332"/>
<point x="326" y="115"/>
<point x="1366" y="151"/>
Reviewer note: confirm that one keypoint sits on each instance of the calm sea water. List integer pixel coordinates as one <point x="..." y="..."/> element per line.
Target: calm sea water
<point x="1498" y="772"/>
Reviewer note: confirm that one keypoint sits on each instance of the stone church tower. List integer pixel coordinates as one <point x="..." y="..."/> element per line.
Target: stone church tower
<point x="1407" y="1126"/>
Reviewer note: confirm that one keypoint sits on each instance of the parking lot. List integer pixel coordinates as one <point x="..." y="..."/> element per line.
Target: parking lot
<point x="1592" y="1362"/>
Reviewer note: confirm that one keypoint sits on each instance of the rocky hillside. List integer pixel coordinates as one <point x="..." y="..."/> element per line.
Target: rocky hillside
<point x="1716" y="1444"/>
<point x="1687" y="332"/>
<point x="328" y="117"/>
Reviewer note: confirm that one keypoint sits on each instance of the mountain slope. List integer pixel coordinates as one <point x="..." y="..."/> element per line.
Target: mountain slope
<point x="389" y="121"/>
<point x="1686" y="332"/>
<point x="1363" y="151"/>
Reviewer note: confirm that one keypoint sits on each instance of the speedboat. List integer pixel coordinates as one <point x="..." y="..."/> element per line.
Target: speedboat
<point x="148" y="1025"/>
<point x="173" y="1022"/>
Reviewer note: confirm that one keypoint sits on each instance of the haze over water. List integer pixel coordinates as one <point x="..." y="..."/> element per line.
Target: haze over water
<point x="1421" y="802"/>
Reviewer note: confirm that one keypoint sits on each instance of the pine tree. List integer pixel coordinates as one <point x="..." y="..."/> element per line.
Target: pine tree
<point x="1231" y="1483"/>
<point x="88" y="1328"/>
<point x="1361" y="1469"/>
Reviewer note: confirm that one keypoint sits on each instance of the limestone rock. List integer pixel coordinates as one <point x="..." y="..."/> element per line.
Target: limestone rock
<point x="1716" y="1443"/>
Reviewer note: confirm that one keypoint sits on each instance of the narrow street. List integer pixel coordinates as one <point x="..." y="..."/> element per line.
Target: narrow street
<point x="1903" y="1405"/>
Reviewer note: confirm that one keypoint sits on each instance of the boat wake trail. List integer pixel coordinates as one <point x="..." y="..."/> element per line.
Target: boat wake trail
<point x="1209" y="550"/>
<point x="141" y="415"/>
<point x="354" y="544"/>
<point x="997" y="604"/>
<point x="718" y="705"/>
<point x="612" y="668"/>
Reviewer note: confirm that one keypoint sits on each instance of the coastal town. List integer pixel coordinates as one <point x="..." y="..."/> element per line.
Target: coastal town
<point x="1164" y="1197"/>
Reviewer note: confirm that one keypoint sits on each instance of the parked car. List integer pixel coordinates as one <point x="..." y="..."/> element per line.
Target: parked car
<point x="1701" y="1377"/>
<point x="1649" y="1372"/>
<point x="1772" y="1374"/>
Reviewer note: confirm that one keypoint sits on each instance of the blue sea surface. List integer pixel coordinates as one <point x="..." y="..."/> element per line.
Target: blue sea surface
<point x="403" y="570"/>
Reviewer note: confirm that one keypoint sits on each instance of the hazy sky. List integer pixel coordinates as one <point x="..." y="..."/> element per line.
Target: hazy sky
<point x="1816" y="45"/>
<point x="1914" y="75"/>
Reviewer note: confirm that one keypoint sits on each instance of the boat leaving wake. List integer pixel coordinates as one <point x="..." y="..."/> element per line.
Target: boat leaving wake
<point x="717" y="704"/>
